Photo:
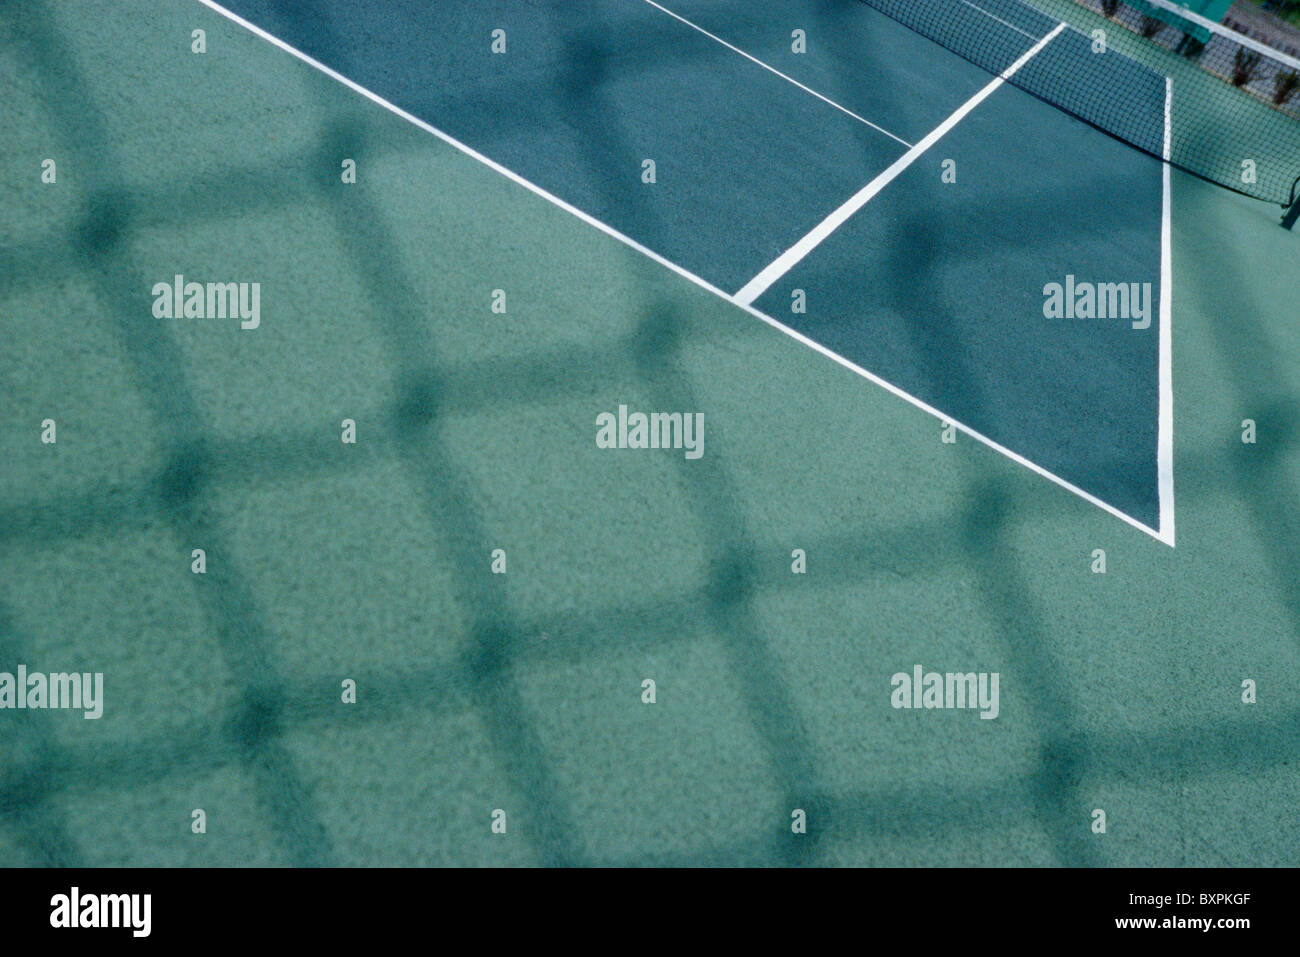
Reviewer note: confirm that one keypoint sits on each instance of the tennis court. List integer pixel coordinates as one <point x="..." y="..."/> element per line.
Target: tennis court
<point x="839" y="248"/>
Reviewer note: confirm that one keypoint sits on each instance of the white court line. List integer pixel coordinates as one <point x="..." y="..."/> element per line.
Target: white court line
<point x="673" y="267"/>
<point x="1165" y="444"/>
<point x="770" y="69"/>
<point x="791" y="257"/>
<point x="1010" y="26"/>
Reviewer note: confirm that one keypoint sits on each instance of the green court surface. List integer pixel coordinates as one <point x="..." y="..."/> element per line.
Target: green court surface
<point x="373" y="561"/>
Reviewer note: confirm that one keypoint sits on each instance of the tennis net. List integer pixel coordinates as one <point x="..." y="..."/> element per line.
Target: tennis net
<point x="1215" y="102"/>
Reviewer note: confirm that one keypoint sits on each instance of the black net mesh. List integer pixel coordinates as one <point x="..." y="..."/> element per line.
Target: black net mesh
<point x="1234" y="108"/>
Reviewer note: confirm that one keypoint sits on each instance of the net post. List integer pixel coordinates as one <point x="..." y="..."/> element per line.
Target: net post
<point x="1291" y="212"/>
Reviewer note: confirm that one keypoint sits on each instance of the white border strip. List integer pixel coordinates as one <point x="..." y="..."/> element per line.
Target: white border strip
<point x="814" y="238"/>
<point x="771" y="69"/>
<point x="673" y="267"/>
<point x="1165" y="448"/>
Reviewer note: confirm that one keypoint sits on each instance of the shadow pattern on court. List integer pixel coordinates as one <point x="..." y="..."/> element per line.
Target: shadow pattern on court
<point x="423" y="393"/>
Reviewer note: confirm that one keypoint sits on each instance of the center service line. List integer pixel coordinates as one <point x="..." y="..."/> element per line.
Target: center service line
<point x="791" y="257"/>
<point x="772" y="69"/>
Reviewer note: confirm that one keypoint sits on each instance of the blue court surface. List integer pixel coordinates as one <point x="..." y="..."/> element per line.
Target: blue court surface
<point x="934" y="286"/>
